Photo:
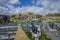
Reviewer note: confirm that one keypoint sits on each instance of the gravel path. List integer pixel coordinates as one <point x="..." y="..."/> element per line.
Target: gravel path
<point x="20" y="35"/>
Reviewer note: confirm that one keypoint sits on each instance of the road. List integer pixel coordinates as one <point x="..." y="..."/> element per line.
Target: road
<point x="47" y="30"/>
<point x="20" y="35"/>
<point x="53" y="35"/>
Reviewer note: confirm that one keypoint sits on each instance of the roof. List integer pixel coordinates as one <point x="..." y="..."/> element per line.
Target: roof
<point x="1" y="16"/>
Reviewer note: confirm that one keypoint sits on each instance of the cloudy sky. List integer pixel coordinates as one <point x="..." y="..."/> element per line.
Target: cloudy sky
<point x="42" y="7"/>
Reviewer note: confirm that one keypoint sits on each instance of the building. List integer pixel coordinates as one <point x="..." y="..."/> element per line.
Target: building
<point x="4" y="18"/>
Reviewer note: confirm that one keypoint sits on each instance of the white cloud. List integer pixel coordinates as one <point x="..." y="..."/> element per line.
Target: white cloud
<point x="38" y="2"/>
<point x="50" y="6"/>
<point x="33" y="1"/>
<point x="32" y="9"/>
<point x="3" y="2"/>
<point x="3" y="10"/>
<point x="7" y="3"/>
<point x="13" y="10"/>
<point x="14" y="1"/>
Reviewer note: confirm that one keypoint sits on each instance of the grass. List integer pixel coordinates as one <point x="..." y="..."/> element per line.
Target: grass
<point x="17" y="20"/>
<point x="49" y="22"/>
<point x="44" y="37"/>
<point x="58" y="30"/>
<point x="57" y="18"/>
<point x="57" y="21"/>
<point x="29" y="35"/>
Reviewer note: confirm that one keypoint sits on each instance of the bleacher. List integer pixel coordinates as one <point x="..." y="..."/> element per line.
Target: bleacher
<point x="8" y="32"/>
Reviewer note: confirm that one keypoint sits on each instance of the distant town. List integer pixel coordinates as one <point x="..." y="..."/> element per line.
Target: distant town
<point x="31" y="27"/>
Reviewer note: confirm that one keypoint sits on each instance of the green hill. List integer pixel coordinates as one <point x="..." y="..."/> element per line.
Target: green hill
<point x="53" y="14"/>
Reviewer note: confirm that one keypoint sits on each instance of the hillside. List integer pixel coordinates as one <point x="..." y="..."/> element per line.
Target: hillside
<point x="28" y="15"/>
<point x="53" y="14"/>
<point x="25" y="16"/>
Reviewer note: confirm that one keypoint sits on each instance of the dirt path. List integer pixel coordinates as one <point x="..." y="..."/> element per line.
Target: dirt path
<point x="20" y="35"/>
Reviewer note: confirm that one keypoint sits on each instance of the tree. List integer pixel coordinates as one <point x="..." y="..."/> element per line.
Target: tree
<point x="30" y="13"/>
<point x="38" y="16"/>
<point x="13" y="15"/>
<point x="20" y="14"/>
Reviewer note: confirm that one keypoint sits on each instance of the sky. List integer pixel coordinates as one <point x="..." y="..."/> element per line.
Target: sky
<point x="42" y="7"/>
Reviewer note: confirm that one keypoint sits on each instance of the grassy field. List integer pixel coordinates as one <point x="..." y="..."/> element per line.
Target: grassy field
<point x="29" y="35"/>
<point x="56" y="18"/>
<point x="44" y="37"/>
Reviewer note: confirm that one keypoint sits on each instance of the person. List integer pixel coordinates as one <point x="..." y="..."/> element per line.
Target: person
<point x="34" y="29"/>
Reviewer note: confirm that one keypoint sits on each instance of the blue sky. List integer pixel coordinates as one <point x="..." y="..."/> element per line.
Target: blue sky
<point x="27" y="3"/>
<point x="42" y="7"/>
